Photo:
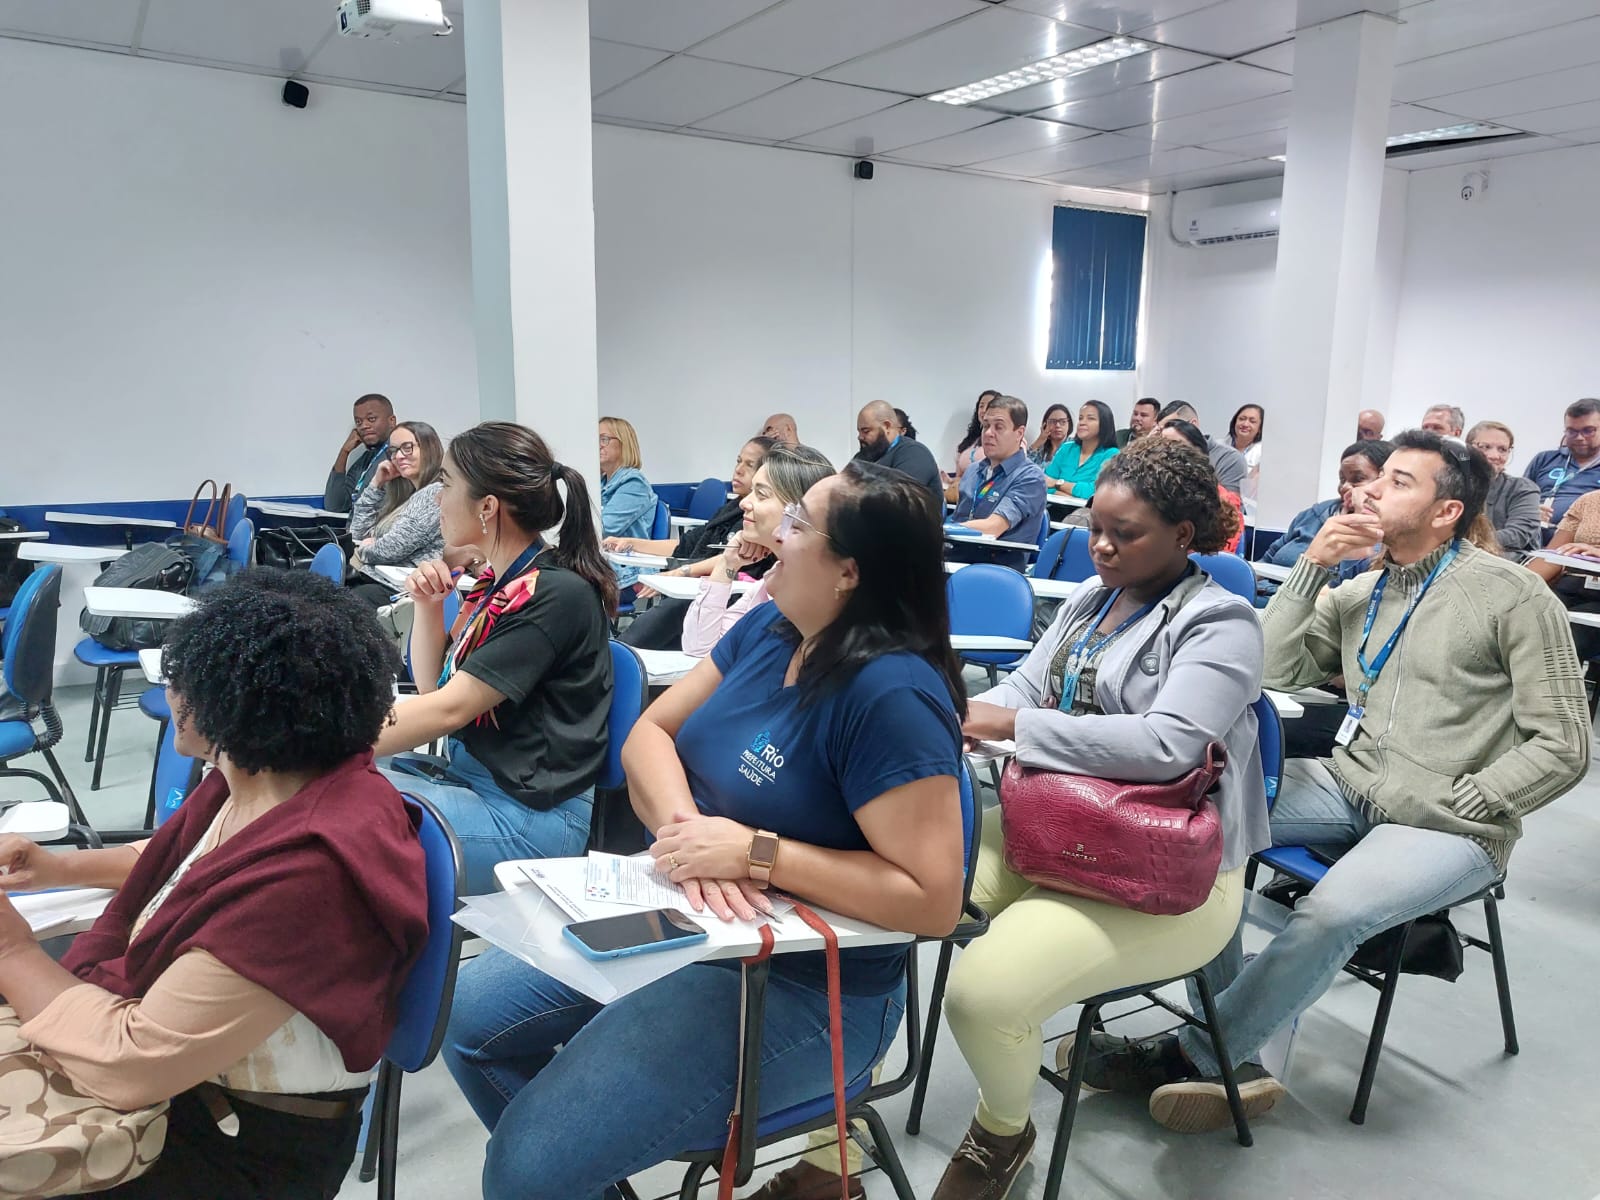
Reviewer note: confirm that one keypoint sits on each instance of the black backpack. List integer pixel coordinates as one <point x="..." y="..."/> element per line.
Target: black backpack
<point x="12" y="570"/>
<point x="152" y="566"/>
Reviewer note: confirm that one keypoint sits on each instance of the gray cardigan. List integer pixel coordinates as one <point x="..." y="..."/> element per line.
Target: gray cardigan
<point x="1513" y="509"/>
<point x="1182" y="678"/>
<point x="412" y="535"/>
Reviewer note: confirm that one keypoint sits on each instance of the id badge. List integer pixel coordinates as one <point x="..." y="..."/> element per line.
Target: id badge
<point x="1351" y="723"/>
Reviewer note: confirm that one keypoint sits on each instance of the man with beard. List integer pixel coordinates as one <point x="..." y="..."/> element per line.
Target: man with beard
<point x="878" y="433"/>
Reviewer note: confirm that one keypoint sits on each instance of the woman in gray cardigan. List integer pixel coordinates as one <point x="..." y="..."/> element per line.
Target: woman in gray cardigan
<point x="395" y="521"/>
<point x="1141" y="670"/>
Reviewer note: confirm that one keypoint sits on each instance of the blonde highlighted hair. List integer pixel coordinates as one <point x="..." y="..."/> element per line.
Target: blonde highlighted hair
<point x="624" y="433"/>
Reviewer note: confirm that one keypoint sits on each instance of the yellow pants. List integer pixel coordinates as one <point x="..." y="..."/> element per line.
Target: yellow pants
<point x="1045" y="951"/>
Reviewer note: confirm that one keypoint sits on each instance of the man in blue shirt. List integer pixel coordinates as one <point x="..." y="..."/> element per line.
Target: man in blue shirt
<point x="1566" y="473"/>
<point x="1003" y="493"/>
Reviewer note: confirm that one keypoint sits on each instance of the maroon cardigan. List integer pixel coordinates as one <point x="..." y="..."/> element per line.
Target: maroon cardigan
<point x="322" y="901"/>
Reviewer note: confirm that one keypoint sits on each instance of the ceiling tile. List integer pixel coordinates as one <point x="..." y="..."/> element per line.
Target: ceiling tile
<point x="1411" y="118"/>
<point x="1098" y="81"/>
<point x="1228" y="29"/>
<point x="1011" y="136"/>
<point x="1582" y="137"/>
<point x="806" y="36"/>
<point x="905" y="124"/>
<point x="106" y="23"/>
<point x="1253" y="145"/>
<point x="1216" y="86"/>
<point x="1563" y="120"/>
<point x="667" y="24"/>
<point x="1084" y="152"/>
<point x="802" y="107"/>
<point x="1273" y="58"/>
<point x="1484" y="151"/>
<point x="1576" y="85"/>
<point x="611" y="63"/>
<point x="1236" y="120"/>
<point x="1108" y="16"/>
<point x="976" y="47"/>
<point x="1205" y="177"/>
<point x="1148" y="166"/>
<point x="273" y="37"/>
<point x="683" y="90"/>
<point x="1571" y="45"/>
<point x="1441" y="26"/>
<point x="427" y="63"/>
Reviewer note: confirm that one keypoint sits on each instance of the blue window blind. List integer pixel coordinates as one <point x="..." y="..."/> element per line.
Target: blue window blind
<point x="1094" y="305"/>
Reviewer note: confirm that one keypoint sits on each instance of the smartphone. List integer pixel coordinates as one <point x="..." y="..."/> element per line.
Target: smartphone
<point x="634" y="933"/>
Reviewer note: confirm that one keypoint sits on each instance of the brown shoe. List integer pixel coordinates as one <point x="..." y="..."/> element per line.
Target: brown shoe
<point x="985" y="1165"/>
<point x="804" y="1181"/>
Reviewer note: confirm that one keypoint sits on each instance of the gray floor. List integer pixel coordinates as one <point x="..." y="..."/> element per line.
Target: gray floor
<point x="1451" y="1116"/>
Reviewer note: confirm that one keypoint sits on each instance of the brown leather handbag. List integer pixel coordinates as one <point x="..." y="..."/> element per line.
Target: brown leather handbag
<point x="213" y="516"/>
<point x="1151" y="847"/>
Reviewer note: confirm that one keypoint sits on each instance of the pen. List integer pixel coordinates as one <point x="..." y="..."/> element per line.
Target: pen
<point x="454" y="575"/>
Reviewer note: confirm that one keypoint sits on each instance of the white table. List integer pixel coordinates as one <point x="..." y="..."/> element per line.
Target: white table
<point x="1266" y="570"/>
<point x="61" y="554"/>
<point x="983" y="641"/>
<point x="985" y="539"/>
<point x="682" y="587"/>
<point x="1054" y="497"/>
<point x="150" y="664"/>
<point x="63" y="911"/>
<point x="686" y="522"/>
<point x="662" y="667"/>
<point x="618" y="559"/>
<point x="304" y="512"/>
<point x="23" y="535"/>
<point x="1052" y="589"/>
<point x="144" y="603"/>
<point x="127" y="524"/>
<point x="1288" y="707"/>
<point x="1585" y="618"/>
<point x="1569" y="562"/>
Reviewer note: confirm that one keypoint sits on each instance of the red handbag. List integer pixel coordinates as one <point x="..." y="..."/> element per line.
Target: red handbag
<point x="1151" y="847"/>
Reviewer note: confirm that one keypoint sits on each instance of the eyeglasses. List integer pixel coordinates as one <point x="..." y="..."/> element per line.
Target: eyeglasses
<point x="792" y="517"/>
<point x="403" y="450"/>
<point x="606" y="438"/>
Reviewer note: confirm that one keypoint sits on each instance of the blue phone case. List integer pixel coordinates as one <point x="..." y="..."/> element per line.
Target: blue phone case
<point x="594" y="955"/>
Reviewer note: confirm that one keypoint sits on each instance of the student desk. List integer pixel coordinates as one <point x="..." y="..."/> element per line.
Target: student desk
<point x="1266" y="570"/>
<point x="144" y="603"/>
<point x="126" y="524"/>
<point x="681" y="587"/>
<point x="1055" y="497"/>
<point x="23" y="535"/>
<point x="299" y="512"/>
<point x="984" y="539"/>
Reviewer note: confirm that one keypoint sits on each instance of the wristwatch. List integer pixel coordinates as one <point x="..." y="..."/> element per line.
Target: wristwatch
<point x="763" y="856"/>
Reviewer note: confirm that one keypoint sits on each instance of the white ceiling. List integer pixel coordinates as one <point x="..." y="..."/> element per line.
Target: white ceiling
<point x="1209" y="105"/>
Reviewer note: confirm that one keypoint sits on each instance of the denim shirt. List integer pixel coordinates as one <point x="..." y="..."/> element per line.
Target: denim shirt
<point x="1018" y="496"/>
<point x="627" y="509"/>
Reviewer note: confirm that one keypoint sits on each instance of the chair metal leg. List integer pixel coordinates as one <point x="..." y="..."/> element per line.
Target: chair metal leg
<point x="994" y="675"/>
<point x="94" y="712"/>
<point x="369" y="1157"/>
<point x="68" y="796"/>
<point x="1502" y="976"/>
<point x="1380" y="1024"/>
<point x="389" y="1134"/>
<point x="884" y="1153"/>
<point x="150" y="802"/>
<point x="1069" y="1101"/>
<point x="1219" y="1048"/>
<point x="692" y="1175"/>
<point x="113" y="693"/>
<point x="919" y="1091"/>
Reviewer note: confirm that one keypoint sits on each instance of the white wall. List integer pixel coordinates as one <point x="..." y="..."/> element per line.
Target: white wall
<point x="199" y="280"/>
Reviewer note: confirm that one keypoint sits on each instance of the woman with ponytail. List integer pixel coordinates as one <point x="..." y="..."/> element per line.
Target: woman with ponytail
<point x="521" y="685"/>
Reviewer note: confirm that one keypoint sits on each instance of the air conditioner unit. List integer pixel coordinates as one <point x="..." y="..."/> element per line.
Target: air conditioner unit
<point x="1228" y="223"/>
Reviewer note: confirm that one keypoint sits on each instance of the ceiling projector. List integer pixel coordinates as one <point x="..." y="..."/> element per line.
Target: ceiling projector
<point x="392" y="18"/>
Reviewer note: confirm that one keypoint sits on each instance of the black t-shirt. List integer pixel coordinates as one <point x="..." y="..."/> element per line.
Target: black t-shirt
<point x="552" y="661"/>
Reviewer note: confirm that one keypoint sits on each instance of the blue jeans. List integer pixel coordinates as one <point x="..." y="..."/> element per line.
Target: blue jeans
<point x="636" y="1081"/>
<point x="1391" y="874"/>
<point x="490" y="825"/>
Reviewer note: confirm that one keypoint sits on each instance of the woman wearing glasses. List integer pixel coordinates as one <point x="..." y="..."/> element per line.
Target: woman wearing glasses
<point x="1055" y="430"/>
<point x="818" y="749"/>
<point x="780" y="484"/>
<point x="627" y="501"/>
<point x="395" y="521"/>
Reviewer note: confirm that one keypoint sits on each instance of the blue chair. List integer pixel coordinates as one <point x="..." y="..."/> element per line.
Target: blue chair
<point x="234" y="514"/>
<point x="329" y="563"/>
<point x="452" y="609"/>
<point x="175" y="777"/>
<point x="241" y="540"/>
<point x="109" y="666"/>
<point x="1298" y="863"/>
<point x="424" y="1000"/>
<point x="1041" y="535"/>
<point x="994" y="601"/>
<point x="1065" y="556"/>
<point x="661" y="524"/>
<point x="1232" y="572"/>
<point x="613" y="828"/>
<point x="28" y="672"/>
<point x="711" y="495"/>
<point x="860" y="1094"/>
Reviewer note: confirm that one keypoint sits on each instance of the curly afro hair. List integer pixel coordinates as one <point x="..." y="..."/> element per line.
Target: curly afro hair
<point x="1178" y="482"/>
<point x="282" y="671"/>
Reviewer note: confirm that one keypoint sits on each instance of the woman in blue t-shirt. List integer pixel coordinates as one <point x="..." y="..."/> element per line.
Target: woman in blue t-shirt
<point x="828" y="719"/>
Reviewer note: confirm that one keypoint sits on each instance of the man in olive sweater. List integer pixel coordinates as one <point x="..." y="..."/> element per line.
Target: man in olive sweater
<point x="1466" y="713"/>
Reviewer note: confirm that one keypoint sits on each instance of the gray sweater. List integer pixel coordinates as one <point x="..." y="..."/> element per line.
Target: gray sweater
<point x="1182" y="678"/>
<point x="1513" y="509"/>
<point x="412" y="534"/>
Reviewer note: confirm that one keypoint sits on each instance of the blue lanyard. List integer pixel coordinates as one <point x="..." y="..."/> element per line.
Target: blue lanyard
<point x="1370" y="671"/>
<point x="522" y="563"/>
<point x="1091" y="644"/>
<point x="378" y="457"/>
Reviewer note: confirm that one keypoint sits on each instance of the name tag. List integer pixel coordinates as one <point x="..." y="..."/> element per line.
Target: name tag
<point x="1591" y="581"/>
<point x="1348" y="727"/>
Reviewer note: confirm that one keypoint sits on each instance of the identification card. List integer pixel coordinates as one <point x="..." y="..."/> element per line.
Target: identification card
<point x="1348" y="727"/>
<point x="1591" y="581"/>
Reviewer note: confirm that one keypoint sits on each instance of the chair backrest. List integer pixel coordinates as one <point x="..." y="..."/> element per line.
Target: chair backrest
<point x="1045" y="566"/>
<point x="630" y="693"/>
<point x="707" y="498"/>
<point x="661" y="526"/>
<point x="176" y="776"/>
<point x="234" y="515"/>
<point x="425" y="999"/>
<point x="329" y="563"/>
<point x="1232" y="572"/>
<point x="452" y="609"/>
<point x="1075" y="565"/>
<point x="242" y="541"/>
<point x="30" y="637"/>
<point x="971" y="834"/>
<point x="1269" y="735"/>
<point x="990" y="600"/>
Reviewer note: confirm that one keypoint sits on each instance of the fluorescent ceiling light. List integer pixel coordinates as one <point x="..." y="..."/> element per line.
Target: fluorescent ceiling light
<point x="1277" y="158"/>
<point x="1444" y="134"/>
<point x="1072" y="62"/>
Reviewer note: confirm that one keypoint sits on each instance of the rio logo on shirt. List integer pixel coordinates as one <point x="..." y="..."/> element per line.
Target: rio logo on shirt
<point x="761" y="762"/>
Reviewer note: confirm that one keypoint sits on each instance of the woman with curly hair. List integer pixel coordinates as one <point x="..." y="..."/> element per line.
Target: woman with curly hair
<point x="1142" y="669"/>
<point x="251" y="960"/>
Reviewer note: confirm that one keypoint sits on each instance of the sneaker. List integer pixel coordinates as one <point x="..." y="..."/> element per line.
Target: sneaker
<point x="985" y="1165"/>
<point x="1200" y="1105"/>
<point x="806" y="1181"/>
<point x="1125" y="1066"/>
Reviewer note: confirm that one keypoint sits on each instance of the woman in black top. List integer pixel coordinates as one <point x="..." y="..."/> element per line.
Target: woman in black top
<point x="522" y="684"/>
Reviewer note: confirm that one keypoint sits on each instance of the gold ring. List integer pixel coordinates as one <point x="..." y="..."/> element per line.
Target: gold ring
<point x="673" y="859"/>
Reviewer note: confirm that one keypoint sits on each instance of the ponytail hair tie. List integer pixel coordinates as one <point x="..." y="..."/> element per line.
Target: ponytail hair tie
<point x="555" y="469"/>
